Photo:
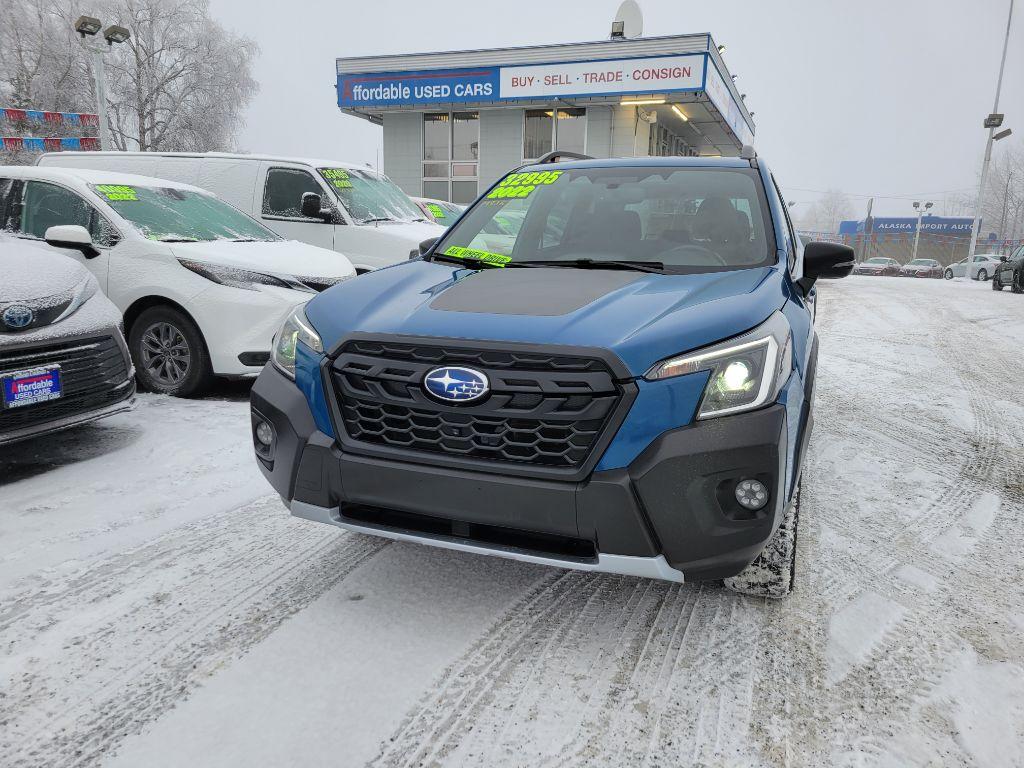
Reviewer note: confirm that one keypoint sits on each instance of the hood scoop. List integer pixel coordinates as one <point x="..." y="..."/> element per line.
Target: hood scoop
<point x="535" y="291"/>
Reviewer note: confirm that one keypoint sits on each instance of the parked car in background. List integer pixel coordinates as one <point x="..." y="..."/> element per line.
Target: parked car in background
<point x="63" y="359"/>
<point x="921" y="268"/>
<point x="202" y="286"/>
<point x="440" y="211"/>
<point x="341" y="206"/>
<point x="878" y="265"/>
<point x="586" y="396"/>
<point x="1010" y="272"/>
<point x="983" y="266"/>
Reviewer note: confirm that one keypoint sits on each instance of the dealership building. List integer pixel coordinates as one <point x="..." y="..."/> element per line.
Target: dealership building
<point x="456" y="122"/>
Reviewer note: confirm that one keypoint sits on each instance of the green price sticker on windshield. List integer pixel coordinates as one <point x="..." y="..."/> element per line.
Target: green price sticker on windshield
<point x="436" y="210"/>
<point x="495" y="259"/>
<point x="338" y="178"/>
<point x="116" y="192"/>
<point x="520" y="185"/>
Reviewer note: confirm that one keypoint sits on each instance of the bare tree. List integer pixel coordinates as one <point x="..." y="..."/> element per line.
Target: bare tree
<point x="181" y="82"/>
<point x="1003" y="197"/>
<point x="833" y="207"/>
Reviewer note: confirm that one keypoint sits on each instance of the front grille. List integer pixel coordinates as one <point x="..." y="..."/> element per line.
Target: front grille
<point x="93" y="375"/>
<point x="545" y="410"/>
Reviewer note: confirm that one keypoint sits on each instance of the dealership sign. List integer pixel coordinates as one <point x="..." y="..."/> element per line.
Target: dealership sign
<point x="937" y="225"/>
<point x="617" y="77"/>
<point x="397" y="88"/>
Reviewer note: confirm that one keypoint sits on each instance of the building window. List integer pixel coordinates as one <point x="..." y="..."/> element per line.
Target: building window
<point x="451" y="154"/>
<point x="667" y="143"/>
<point x="548" y="129"/>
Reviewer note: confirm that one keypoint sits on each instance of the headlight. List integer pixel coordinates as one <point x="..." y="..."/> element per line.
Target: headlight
<point x="295" y="329"/>
<point x="84" y="291"/>
<point x="746" y="372"/>
<point x="242" y="278"/>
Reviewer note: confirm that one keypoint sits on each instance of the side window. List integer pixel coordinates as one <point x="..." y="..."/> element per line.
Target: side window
<point x="283" y="193"/>
<point x="46" y="205"/>
<point x="792" y="244"/>
<point x="10" y="208"/>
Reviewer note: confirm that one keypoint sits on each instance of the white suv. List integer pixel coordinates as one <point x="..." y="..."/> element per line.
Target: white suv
<point x="202" y="286"/>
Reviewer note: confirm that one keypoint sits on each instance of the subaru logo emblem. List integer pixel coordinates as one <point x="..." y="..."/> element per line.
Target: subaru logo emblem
<point x="456" y="384"/>
<point x="18" y="316"/>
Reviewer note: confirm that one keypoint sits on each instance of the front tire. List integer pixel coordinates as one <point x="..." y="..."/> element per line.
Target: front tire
<point x="996" y="285"/>
<point x="1018" y="287"/>
<point x="772" y="573"/>
<point x="169" y="353"/>
<point x="948" y="274"/>
<point x="982" y="275"/>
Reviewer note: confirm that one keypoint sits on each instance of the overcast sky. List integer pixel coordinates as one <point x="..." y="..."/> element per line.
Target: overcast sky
<point x="878" y="97"/>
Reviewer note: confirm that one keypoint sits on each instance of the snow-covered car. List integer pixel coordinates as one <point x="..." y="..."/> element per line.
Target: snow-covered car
<point x="202" y="286"/>
<point x="1010" y="272"/>
<point x="921" y="268"/>
<point x="332" y="204"/>
<point x="878" y="265"/>
<point x="983" y="266"/>
<point x="63" y="359"/>
<point x="440" y="211"/>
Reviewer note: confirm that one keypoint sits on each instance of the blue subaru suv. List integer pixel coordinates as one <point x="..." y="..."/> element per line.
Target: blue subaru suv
<point x="618" y="378"/>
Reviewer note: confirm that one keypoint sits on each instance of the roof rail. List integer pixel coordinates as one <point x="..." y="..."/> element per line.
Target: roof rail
<point x="748" y="152"/>
<point x="559" y="154"/>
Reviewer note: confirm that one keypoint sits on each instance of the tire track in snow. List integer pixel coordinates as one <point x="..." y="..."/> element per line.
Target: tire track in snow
<point x="591" y="671"/>
<point x="101" y="652"/>
<point x="906" y="658"/>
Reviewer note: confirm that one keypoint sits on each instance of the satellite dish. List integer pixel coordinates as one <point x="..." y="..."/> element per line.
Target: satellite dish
<point x="629" y="21"/>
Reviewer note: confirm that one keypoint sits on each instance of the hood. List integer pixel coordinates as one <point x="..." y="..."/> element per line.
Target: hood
<point x="641" y="317"/>
<point x="282" y="257"/>
<point x="35" y="271"/>
<point x="405" y="235"/>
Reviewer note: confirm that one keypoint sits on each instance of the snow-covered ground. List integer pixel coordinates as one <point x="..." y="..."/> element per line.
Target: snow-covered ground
<point x="158" y="607"/>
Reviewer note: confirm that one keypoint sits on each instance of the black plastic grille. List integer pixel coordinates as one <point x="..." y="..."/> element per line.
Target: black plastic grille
<point x="93" y="372"/>
<point x="543" y="409"/>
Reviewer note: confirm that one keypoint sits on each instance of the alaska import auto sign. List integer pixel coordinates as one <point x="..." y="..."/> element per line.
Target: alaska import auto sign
<point x="656" y="74"/>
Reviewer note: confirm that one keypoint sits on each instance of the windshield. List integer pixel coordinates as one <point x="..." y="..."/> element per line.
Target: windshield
<point x="921" y="263"/>
<point x="877" y="260"/>
<point x="370" y="198"/>
<point x="681" y="219"/>
<point x="169" y="214"/>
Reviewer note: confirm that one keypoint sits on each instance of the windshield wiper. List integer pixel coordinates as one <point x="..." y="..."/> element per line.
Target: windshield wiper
<point x="378" y="218"/>
<point x="655" y="267"/>
<point x="175" y="239"/>
<point x="467" y="261"/>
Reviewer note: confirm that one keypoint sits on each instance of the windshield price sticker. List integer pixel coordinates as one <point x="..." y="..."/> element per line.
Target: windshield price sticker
<point x="117" y="192"/>
<point x="436" y="210"/>
<point x="339" y="178"/>
<point x="486" y="257"/>
<point x="519" y="185"/>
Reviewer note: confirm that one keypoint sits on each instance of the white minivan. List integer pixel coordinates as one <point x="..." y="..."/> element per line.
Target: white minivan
<point x="349" y="208"/>
<point x="203" y="287"/>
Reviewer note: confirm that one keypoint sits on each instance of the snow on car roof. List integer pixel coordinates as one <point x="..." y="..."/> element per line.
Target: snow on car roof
<point x="88" y="176"/>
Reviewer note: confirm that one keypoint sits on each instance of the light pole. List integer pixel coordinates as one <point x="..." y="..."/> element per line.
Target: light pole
<point x="917" y="230"/>
<point x="993" y="121"/>
<point x="89" y="26"/>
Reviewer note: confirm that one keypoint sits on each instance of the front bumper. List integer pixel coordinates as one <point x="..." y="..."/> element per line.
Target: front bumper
<point x="671" y="514"/>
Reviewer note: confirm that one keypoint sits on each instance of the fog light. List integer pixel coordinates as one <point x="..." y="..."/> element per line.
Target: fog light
<point x="751" y="494"/>
<point x="265" y="434"/>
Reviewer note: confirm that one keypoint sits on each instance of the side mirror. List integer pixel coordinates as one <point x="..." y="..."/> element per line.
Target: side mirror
<point x="312" y="207"/>
<point x="826" y="261"/>
<point x="426" y="245"/>
<point x="72" y="236"/>
<point x="1003" y="259"/>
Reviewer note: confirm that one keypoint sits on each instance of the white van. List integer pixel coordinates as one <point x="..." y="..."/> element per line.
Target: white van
<point x="348" y="208"/>
<point x="203" y="287"/>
